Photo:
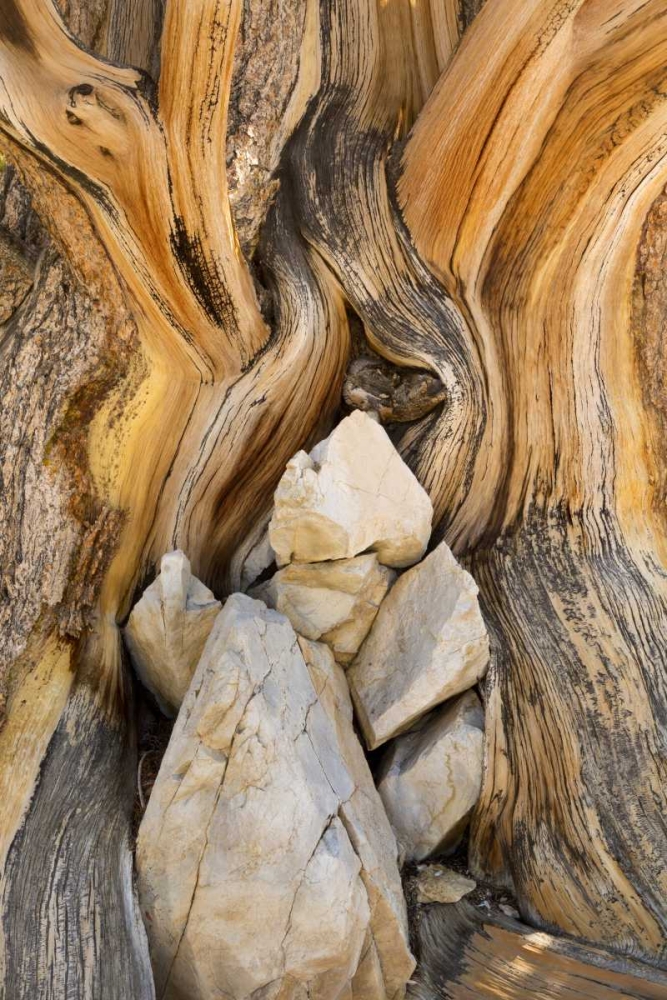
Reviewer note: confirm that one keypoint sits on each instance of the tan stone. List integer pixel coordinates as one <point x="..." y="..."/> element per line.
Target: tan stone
<point x="437" y="884"/>
<point x="332" y="601"/>
<point x="168" y="628"/>
<point x="352" y="494"/>
<point x="258" y="559"/>
<point x="428" y="643"/>
<point x="251" y="868"/>
<point x="430" y="778"/>
<point x="369" y="830"/>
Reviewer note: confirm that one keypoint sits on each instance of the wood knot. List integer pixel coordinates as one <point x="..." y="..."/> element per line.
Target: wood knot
<point x="397" y="395"/>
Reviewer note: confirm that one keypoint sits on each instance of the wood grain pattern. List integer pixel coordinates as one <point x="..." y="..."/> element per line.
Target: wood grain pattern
<point x="72" y="926"/>
<point x="466" y="955"/>
<point x="369" y="95"/>
<point x="505" y="237"/>
<point x="539" y="250"/>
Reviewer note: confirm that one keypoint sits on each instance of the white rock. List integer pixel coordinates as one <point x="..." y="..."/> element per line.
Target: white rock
<point x="430" y="778"/>
<point x="386" y="954"/>
<point x="332" y="601"/>
<point x="259" y="558"/>
<point x="428" y="643"/>
<point x="168" y="628"/>
<point x="251" y="874"/>
<point x="352" y="494"/>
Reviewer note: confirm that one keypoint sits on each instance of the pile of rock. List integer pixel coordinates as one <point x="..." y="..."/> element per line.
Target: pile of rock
<point x="267" y="857"/>
<point x="345" y="517"/>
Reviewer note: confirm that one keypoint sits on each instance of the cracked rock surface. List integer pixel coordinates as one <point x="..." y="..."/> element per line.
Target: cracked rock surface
<point x="428" y="643"/>
<point x="168" y="629"/>
<point x="332" y="601"/>
<point x="430" y="778"/>
<point x="352" y="494"/>
<point x="386" y="959"/>
<point x="266" y="866"/>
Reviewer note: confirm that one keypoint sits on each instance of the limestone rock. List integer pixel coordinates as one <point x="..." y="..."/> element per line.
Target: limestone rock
<point x="430" y="778"/>
<point x="332" y="601"/>
<point x="259" y="558"/>
<point x="254" y="878"/>
<point x="385" y="957"/>
<point x="352" y="494"/>
<point x="168" y="628"/>
<point x="428" y="643"/>
<point x="437" y="884"/>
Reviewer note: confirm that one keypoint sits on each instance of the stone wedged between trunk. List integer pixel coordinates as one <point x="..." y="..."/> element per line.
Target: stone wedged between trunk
<point x="353" y="493"/>
<point x="430" y="777"/>
<point x="168" y="628"/>
<point x="265" y="860"/>
<point x="333" y="601"/>
<point x="428" y="643"/>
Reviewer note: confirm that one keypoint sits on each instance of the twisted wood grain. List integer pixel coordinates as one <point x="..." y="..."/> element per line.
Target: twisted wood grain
<point x="539" y="248"/>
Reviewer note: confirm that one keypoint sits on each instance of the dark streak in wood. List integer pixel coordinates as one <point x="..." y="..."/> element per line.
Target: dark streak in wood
<point x="71" y="920"/>
<point x="465" y="954"/>
<point x="205" y="280"/>
<point x="13" y="27"/>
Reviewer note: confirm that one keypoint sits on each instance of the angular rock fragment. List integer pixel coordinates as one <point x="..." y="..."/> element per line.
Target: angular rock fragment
<point x="430" y="778"/>
<point x="386" y="955"/>
<point x="332" y="601"/>
<point x="428" y="643"/>
<point x="168" y="628"/>
<point x="258" y="559"/>
<point x="256" y="877"/>
<point x="437" y="884"/>
<point x="353" y="493"/>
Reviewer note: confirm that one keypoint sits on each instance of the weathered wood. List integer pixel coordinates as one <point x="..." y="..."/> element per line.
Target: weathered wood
<point x="71" y="922"/>
<point x="494" y="248"/>
<point x="348" y="214"/>
<point x="113" y="439"/>
<point x="467" y="955"/>
<point x="566" y="539"/>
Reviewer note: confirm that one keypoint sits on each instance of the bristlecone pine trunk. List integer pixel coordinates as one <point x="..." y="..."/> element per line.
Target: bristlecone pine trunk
<point x="202" y="204"/>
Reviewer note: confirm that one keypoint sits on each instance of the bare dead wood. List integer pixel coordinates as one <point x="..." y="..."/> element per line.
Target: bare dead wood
<point x="539" y="251"/>
<point x="72" y="925"/>
<point x="175" y="388"/>
<point x="465" y="955"/>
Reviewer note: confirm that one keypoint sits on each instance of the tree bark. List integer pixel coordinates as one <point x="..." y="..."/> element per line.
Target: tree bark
<point x="224" y="185"/>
